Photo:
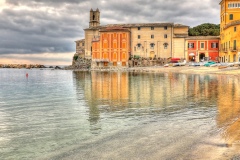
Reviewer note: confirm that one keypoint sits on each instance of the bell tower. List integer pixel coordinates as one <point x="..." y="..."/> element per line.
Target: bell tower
<point x="94" y="18"/>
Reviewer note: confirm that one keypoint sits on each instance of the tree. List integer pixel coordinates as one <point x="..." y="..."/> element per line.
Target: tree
<point x="205" y="29"/>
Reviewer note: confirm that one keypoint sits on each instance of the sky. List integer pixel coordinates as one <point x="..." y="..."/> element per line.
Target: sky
<point x="44" y="31"/>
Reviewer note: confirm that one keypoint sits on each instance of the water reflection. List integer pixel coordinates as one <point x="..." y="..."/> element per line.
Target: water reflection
<point x="154" y="94"/>
<point x="229" y="107"/>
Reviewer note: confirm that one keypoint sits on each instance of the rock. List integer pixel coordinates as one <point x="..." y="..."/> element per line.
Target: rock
<point x="57" y="67"/>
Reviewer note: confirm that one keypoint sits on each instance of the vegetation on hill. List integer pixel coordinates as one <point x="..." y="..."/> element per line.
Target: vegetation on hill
<point x="206" y="29"/>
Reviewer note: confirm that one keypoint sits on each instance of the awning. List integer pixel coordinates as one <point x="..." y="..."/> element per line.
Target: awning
<point x="191" y="54"/>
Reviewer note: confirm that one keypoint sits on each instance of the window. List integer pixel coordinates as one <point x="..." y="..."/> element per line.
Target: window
<point x="152" y="36"/>
<point x="165" y="35"/>
<point x="152" y="28"/>
<point x="231" y="17"/>
<point x="82" y="44"/>
<point x="202" y="45"/>
<point x="232" y="5"/>
<point x="139" y="28"/>
<point x="139" y="36"/>
<point x="165" y="27"/>
<point x="190" y="45"/>
<point x="165" y="45"/>
<point x="152" y="45"/>
<point x="234" y="45"/>
<point x="139" y="45"/>
<point x="214" y="45"/>
<point x="235" y="29"/>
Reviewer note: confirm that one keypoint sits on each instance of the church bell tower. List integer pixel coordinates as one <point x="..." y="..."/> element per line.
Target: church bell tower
<point x="94" y="18"/>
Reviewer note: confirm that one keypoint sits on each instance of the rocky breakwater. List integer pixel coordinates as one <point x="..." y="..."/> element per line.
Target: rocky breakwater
<point x="80" y="63"/>
<point x="27" y="66"/>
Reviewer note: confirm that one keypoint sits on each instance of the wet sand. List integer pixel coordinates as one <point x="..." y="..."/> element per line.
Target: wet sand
<point x="146" y="145"/>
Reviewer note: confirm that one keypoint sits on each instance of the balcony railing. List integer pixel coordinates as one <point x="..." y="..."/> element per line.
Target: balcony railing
<point x="224" y="49"/>
<point x="233" y="49"/>
<point x="101" y="60"/>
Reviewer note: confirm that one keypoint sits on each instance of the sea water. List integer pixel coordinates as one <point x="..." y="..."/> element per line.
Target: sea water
<point x="62" y="114"/>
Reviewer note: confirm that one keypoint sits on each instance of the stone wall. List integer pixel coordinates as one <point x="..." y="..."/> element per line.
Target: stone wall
<point x="84" y="63"/>
<point x="147" y="62"/>
<point x="81" y="63"/>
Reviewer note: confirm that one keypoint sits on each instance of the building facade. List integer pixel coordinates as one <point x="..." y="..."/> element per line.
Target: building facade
<point x="230" y="31"/>
<point x="114" y="44"/>
<point x="146" y="40"/>
<point x="111" y="47"/>
<point x="202" y="48"/>
<point x="80" y="48"/>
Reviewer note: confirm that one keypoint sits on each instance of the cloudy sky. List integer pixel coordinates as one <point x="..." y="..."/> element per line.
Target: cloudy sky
<point x="44" y="31"/>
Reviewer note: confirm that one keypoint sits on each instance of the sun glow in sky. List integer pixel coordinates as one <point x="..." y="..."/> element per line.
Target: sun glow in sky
<point x="43" y="58"/>
<point x="2" y="4"/>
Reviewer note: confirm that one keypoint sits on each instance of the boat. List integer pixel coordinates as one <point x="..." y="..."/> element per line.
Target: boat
<point x="222" y="67"/>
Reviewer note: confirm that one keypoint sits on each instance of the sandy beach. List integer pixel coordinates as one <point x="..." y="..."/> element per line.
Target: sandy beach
<point x="189" y="70"/>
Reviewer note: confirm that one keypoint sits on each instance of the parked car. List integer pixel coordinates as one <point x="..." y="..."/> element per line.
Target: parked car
<point x="209" y="63"/>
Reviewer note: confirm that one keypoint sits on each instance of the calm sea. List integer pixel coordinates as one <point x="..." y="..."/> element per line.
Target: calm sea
<point x="59" y="114"/>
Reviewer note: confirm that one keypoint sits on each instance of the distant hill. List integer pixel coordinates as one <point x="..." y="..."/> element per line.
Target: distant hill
<point x="206" y="29"/>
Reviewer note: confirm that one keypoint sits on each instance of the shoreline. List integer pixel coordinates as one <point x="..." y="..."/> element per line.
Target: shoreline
<point x="180" y="69"/>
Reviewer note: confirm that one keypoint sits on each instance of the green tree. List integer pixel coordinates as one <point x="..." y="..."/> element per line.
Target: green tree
<point x="205" y="29"/>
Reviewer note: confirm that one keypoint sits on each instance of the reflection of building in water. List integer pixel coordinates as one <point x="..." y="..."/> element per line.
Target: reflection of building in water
<point x="83" y="87"/>
<point x="119" y="89"/>
<point x="115" y="91"/>
<point x="110" y="88"/>
<point x="229" y="107"/>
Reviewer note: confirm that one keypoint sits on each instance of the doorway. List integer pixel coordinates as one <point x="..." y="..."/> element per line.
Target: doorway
<point x="201" y="57"/>
<point x="152" y="54"/>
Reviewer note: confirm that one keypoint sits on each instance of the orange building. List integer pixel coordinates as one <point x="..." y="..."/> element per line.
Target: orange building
<point x="111" y="48"/>
<point x="201" y="48"/>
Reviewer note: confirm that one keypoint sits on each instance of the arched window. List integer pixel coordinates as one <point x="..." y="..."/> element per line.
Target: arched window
<point x="165" y="45"/>
<point x="152" y="45"/>
<point x="139" y="45"/>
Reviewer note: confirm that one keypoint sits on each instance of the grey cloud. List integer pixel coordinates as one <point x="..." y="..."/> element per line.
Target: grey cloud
<point x="56" y="27"/>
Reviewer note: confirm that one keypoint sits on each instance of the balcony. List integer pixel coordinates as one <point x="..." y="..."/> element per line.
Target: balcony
<point x="233" y="49"/>
<point x="224" y="50"/>
<point x="101" y="60"/>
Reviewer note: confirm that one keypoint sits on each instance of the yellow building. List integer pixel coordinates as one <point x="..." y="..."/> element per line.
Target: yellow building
<point x="230" y="31"/>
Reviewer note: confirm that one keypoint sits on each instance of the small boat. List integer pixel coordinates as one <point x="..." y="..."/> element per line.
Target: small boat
<point x="166" y="65"/>
<point x="222" y="67"/>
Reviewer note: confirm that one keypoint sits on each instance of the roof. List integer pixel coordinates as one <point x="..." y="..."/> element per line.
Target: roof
<point x="179" y="25"/>
<point x="233" y="23"/>
<point x="133" y="25"/>
<point x="202" y="37"/>
<point x="81" y="40"/>
<point x="180" y="35"/>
